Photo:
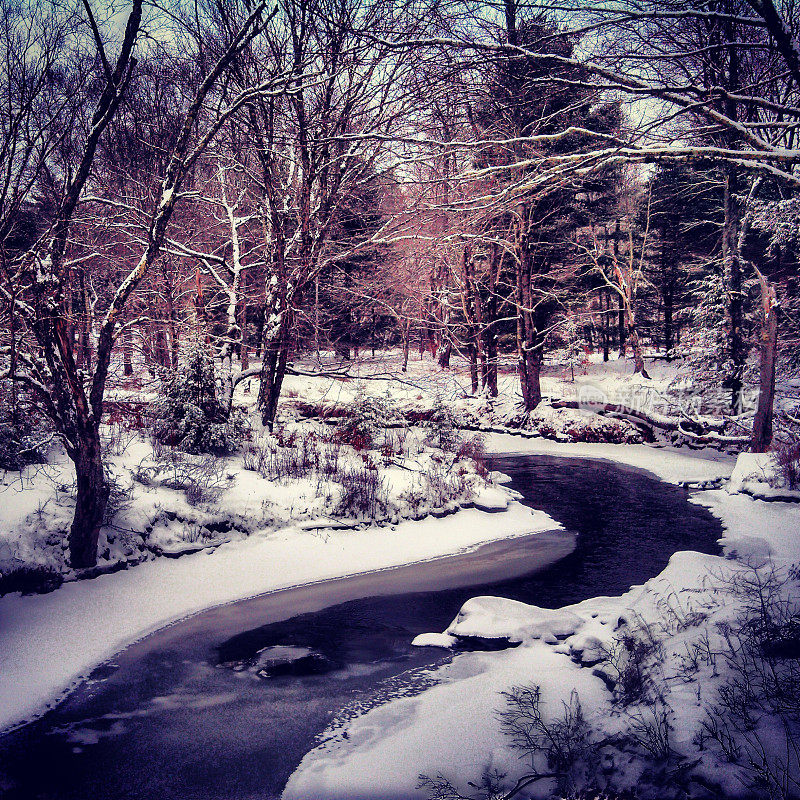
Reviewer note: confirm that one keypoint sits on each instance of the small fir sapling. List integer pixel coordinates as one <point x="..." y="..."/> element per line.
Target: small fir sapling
<point x="190" y="416"/>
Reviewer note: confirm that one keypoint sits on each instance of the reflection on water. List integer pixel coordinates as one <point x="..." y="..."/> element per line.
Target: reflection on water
<point x="195" y="712"/>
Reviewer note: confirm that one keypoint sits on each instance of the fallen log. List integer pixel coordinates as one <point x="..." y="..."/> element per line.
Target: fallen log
<point x="699" y="429"/>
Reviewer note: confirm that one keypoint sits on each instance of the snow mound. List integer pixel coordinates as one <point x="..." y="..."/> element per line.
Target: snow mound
<point x="491" y="499"/>
<point x="751" y="467"/>
<point x="756" y="474"/>
<point x="498" y="618"/>
<point x="434" y="640"/>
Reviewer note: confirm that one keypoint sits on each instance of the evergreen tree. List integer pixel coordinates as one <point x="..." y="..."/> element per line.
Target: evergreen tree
<point x="685" y="209"/>
<point x="528" y="97"/>
<point x="191" y="416"/>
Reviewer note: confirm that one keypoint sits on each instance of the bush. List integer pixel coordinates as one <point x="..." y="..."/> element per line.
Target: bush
<point x="787" y="461"/>
<point x="23" y="431"/>
<point x="444" y="483"/>
<point x="629" y="660"/>
<point x="368" y="418"/>
<point x="755" y="722"/>
<point x="191" y="417"/>
<point x="30" y="580"/>
<point x="443" y="425"/>
<point x="202" y="478"/>
<point x="284" y="457"/>
<point x="363" y="494"/>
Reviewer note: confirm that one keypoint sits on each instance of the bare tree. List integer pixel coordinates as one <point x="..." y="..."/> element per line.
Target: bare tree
<point x="35" y="280"/>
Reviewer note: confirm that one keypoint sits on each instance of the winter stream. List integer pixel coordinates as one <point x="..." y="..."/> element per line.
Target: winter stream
<point x="224" y="705"/>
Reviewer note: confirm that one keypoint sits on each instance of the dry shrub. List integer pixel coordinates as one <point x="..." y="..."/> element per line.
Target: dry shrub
<point x="787" y="461"/>
<point x="363" y="493"/>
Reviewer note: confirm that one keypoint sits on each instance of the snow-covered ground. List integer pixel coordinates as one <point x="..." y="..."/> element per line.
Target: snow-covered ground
<point x="49" y="641"/>
<point x="254" y="534"/>
<point x="175" y="503"/>
<point x="574" y="655"/>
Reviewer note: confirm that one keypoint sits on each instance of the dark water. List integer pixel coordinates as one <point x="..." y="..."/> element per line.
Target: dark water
<point x="185" y="714"/>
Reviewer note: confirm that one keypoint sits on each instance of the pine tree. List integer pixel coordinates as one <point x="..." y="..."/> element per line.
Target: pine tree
<point x="191" y="416"/>
<point x="529" y="97"/>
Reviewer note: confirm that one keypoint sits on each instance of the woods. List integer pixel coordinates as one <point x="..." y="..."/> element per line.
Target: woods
<point x="492" y="183"/>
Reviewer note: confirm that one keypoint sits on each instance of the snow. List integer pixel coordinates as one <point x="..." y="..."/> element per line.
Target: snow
<point x="757" y="474"/>
<point x="48" y="642"/>
<point x="751" y="467"/>
<point x="434" y="640"/>
<point x="453" y="727"/>
<point x="156" y="514"/>
<point x="497" y="618"/>
<point x="284" y="535"/>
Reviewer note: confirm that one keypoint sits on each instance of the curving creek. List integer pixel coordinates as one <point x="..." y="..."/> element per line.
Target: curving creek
<point x="225" y="704"/>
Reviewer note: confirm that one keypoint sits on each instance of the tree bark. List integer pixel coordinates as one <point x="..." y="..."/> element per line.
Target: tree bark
<point x="244" y="353"/>
<point x="91" y="502"/>
<point x="762" y="422"/>
<point x="127" y="354"/>
<point x="443" y="356"/>
<point x="406" y="329"/>
<point x="528" y="347"/>
<point x="733" y="280"/>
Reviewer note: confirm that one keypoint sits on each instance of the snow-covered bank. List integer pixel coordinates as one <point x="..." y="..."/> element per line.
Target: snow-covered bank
<point x="577" y="654"/>
<point x="670" y="464"/>
<point x="47" y="642"/>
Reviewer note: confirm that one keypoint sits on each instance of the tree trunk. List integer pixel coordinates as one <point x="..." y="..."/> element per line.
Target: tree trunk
<point x="259" y="332"/>
<point x="472" y="353"/>
<point x="669" y="331"/>
<point x="532" y="388"/>
<point x="92" y="499"/>
<point x="762" y="422"/>
<point x="162" y="354"/>
<point x="529" y="354"/>
<point x="443" y="356"/>
<point x="733" y="281"/>
<point x="490" y="359"/>
<point x="127" y="347"/>
<point x="244" y="353"/>
<point x="638" y="360"/>
<point x="406" y="332"/>
<point x="273" y="370"/>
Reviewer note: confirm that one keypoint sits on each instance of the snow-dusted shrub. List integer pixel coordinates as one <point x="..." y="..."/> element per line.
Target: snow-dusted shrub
<point x="367" y="419"/>
<point x="117" y="437"/>
<point x="256" y="454"/>
<point x="566" y="424"/>
<point x="755" y="722"/>
<point x="415" y="496"/>
<point x="120" y="495"/>
<point x="190" y="416"/>
<point x="363" y="493"/>
<point x="330" y="456"/>
<point x="564" y="742"/>
<point x="23" y="431"/>
<point x="285" y="456"/>
<point x="562" y="749"/>
<point x="651" y="729"/>
<point x="443" y="425"/>
<point x="444" y="483"/>
<point x="629" y="661"/>
<point x="202" y="478"/>
<point x="474" y="448"/>
<point x="30" y="579"/>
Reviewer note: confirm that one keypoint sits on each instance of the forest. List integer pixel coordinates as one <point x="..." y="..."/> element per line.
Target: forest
<point x="270" y="262"/>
